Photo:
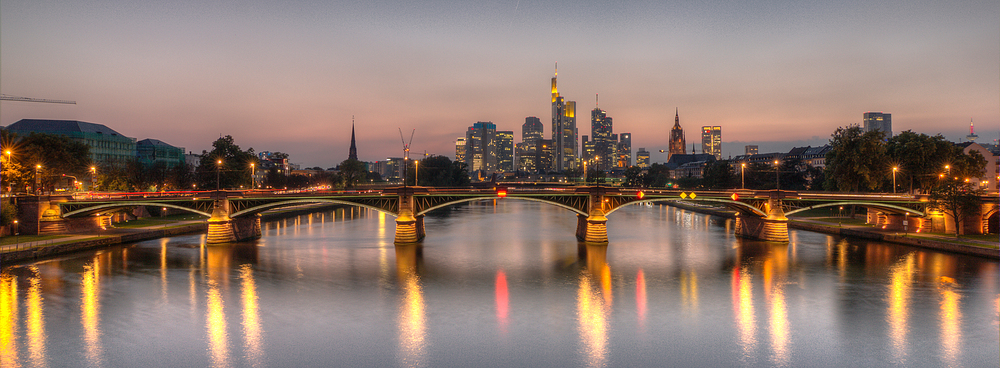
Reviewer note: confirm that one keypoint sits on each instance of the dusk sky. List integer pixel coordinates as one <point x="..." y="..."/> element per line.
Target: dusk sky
<point x="288" y="75"/>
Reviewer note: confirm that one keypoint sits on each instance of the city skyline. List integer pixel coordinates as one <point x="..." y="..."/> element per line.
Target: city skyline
<point x="289" y="77"/>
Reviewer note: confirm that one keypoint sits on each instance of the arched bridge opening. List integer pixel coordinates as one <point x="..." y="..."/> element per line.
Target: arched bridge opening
<point x="885" y="207"/>
<point x="248" y="209"/>
<point x="77" y="211"/>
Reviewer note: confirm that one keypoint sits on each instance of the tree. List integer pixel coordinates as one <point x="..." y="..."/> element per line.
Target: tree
<point x="919" y="158"/>
<point x="58" y="156"/>
<point x="352" y="171"/>
<point x="633" y="177"/>
<point x="657" y="176"/>
<point x="857" y="160"/>
<point x="718" y="175"/>
<point x="957" y="198"/>
<point x="440" y="171"/>
<point x="234" y="170"/>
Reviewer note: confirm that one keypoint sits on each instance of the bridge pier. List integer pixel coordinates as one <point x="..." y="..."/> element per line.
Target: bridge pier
<point x="593" y="228"/>
<point x="409" y="229"/>
<point x="774" y="227"/>
<point x="223" y="229"/>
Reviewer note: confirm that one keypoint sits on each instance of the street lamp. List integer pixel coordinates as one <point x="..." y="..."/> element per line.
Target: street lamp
<point x="777" y="183"/>
<point x="38" y="179"/>
<point x="218" y="170"/>
<point x="7" y="152"/>
<point x="743" y="178"/>
<point x="894" y="170"/>
<point x="253" y="175"/>
<point x="416" y="173"/>
<point x="93" y="178"/>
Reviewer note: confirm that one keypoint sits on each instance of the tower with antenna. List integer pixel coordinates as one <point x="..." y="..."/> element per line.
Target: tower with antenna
<point x="972" y="132"/>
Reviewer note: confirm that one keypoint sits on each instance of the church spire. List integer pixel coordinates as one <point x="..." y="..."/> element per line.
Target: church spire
<point x="353" y="155"/>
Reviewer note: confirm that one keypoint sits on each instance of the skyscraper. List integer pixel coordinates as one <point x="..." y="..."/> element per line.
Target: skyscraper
<point x="601" y="129"/>
<point x="677" y="144"/>
<point x="353" y="154"/>
<point x="528" y="150"/>
<point x="505" y="151"/>
<point x="563" y="130"/>
<point x="711" y="141"/>
<point x="481" y="147"/>
<point x="460" y="149"/>
<point x="878" y="121"/>
<point x="642" y="158"/>
<point x="624" y="150"/>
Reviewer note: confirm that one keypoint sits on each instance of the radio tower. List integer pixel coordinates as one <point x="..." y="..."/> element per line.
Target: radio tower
<point x="972" y="132"/>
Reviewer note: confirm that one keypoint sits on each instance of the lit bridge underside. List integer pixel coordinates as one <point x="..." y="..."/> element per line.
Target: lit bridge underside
<point x="234" y="215"/>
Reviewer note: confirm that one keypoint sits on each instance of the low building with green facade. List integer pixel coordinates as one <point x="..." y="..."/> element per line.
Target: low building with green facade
<point x="106" y="145"/>
<point x="152" y="151"/>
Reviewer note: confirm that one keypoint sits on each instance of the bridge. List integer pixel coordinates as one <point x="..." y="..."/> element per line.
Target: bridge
<point x="235" y="215"/>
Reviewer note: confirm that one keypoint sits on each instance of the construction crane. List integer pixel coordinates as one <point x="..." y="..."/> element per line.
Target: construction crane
<point x="29" y="99"/>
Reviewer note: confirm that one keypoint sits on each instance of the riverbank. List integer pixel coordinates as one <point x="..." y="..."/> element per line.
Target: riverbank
<point x="930" y="241"/>
<point x="126" y="233"/>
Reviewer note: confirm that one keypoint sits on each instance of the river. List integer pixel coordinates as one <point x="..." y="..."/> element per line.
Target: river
<point x="502" y="285"/>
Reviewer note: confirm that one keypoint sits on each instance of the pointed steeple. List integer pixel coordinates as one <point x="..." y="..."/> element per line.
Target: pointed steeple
<point x="353" y="155"/>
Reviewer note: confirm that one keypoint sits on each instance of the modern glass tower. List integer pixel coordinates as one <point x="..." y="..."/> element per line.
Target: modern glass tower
<point x="878" y="121"/>
<point x="563" y="130"/>
<point x="711" y="141"/>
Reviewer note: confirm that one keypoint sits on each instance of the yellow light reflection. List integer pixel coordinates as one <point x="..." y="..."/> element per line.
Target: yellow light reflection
<point x="746" y="323"/>
<point x="215" y="321"/>
<point x="90" y="309"/>
<point x="8" y="320"/>
<point x="951" y="322"/>
<point x="593" y="323"/>
<point x="163" y="269"/>
<point x="775" y="272"/>
<point x="412" y="316"/>
<point x="901" y="276"/>
<point x="36" y="321"/>
<point x="689" y="290"/>
<point x="253" y="334"/>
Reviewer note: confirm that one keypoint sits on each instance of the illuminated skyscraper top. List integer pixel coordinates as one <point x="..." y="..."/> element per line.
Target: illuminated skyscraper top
<point x="972" y="132"/>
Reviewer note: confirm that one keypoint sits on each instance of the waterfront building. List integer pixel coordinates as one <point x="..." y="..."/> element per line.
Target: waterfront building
<point x="274" y="160"/>
<point x="677" y="144"/>
<point x="106" y="145"/>
<point x="750" y="149"/>
<point x="989" y="179"/>
<point x="505" y="150"/>
<point x="642" y="158"/>
<point x="564" y="132"/>
<point x="878" y="121"/>
<point x="481" y="147"/>
<point x="153" y="151"/>
<point x="711" y="141"/>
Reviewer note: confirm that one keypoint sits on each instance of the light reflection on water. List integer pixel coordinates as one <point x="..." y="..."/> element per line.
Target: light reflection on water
<point x="503" y="285"/>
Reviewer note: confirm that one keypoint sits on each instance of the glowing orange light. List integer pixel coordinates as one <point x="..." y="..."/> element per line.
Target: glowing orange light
<point x="640" y="194"/>
<point x="735" y="197"/>
<point x="502" y="193"/>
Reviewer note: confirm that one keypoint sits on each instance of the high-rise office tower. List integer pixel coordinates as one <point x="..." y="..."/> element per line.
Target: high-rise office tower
<point x="563" y="130"/>
<point x="624" y="150"/>
<point x="677" y="144"/>
<point x="481" y="147"/>
<point x="642" y="158"/>
<point x="460" y="149"/>
<point x="588" y="149"/>
<point x="878" y="121"/>
<point x="505" y="151"/>
<point x="751" y="149"/>
<point x="531" y="137"/>
<point x="711" y="141"/>
<point x="601" y="129"/>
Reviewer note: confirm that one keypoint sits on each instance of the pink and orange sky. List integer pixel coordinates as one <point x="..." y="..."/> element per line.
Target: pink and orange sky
<point x="288" y="76"/>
